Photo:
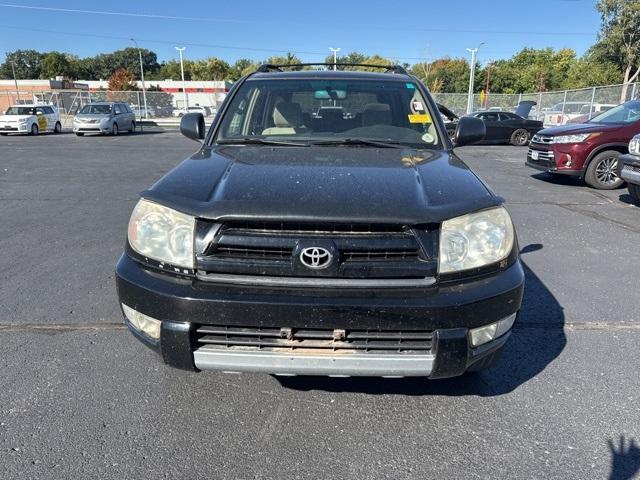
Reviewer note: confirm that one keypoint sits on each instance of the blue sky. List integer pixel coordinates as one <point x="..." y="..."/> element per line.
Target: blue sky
<point x="407" y="30"/>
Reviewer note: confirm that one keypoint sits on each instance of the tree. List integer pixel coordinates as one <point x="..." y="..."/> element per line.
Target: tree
<point x="210" y="69"/>
<point x="288" y="59"/>
<point x="54" y="64"/>
<point x="122" y="80"/>
<point x="240" y="66"/>
<point x="620" y="36"/>
<point x="28" y="64"/>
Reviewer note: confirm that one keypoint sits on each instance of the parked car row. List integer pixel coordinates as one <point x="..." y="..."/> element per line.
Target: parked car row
<point x="589" y="150"/>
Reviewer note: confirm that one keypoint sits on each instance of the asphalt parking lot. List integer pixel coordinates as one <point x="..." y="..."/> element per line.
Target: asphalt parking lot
<point x="81" y="398"/>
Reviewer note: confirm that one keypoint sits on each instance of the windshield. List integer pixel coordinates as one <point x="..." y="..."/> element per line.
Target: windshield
<point x="626" y="113"/>
<point x="96" y="109"/>
<point x="329" y="111"/>
<point x="20" y="111"/>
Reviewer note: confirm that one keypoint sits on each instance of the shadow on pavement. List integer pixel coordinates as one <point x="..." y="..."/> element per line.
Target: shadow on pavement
<point x="559" y="179"/>
<point x="625" y="459"/>
<point x="627" y="198"/>
<point x="537" y="340"/>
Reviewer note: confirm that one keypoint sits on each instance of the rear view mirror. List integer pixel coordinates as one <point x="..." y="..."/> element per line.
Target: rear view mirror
<point x="330" y="94"/>
<point x="469" y="131"/>
<point x="192" y="126"/>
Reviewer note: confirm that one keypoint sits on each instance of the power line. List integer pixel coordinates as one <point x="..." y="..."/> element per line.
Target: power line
<point x="298" y="24"/>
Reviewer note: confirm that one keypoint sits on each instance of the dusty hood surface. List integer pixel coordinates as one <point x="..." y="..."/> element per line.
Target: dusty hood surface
<point x="340" y="184"/>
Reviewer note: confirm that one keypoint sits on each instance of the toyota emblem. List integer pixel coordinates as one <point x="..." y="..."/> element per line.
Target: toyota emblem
<point x="315" y="257"/>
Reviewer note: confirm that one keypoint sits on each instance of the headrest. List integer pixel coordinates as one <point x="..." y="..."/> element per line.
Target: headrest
<point x="376" y="114"/>
<point x="287" y="114"/>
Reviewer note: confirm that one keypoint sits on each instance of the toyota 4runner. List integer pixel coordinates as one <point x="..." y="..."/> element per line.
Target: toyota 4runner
<point x="325" y="226"/>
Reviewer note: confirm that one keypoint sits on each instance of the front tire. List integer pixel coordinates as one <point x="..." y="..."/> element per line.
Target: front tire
<point x="114" y="130"/>
<point x="519" y="138"/>
<point x="602" y="171"/>
<point x="133" y="127"/>
<point x="80" y="134"/>
<point x="57" y="128"/>
<point x="634" y="191"/>
<point x="34" y="129"/>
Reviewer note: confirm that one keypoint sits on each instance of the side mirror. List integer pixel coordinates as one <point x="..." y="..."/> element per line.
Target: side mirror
<point x="192" y="126"/>
<point x="469" y="131"/>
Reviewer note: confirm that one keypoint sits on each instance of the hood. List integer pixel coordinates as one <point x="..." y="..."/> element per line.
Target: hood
<point x="14" y="118"/>
<point x="576" y="128"/>
<point x="524" y="108"/>
<point x="333" y="184"/>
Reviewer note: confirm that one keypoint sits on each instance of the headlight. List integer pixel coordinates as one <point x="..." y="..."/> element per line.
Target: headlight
<point x="162" y="234"/>
<point x="475" y="240"/>
<point x="579" y="138"/>
<point x="23" y="120"/>
<point x="634" y="145"/>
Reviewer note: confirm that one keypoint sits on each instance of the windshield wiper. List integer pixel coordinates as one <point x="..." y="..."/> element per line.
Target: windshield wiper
<point x="260" y="141"/>
<point x="361" y="141"/>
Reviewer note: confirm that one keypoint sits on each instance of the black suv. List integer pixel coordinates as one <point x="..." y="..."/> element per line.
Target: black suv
<point x="324" y="227"/>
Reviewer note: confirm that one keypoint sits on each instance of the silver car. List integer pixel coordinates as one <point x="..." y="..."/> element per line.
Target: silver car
<point x="104" y="117"/>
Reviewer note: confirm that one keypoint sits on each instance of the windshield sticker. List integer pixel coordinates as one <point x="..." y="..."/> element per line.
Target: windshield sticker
<point x="421" y="118"/>
<point x="410" y="86"/>
<point x="418" y="107"/>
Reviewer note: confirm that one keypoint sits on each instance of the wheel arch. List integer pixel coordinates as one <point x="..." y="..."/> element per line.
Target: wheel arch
<point x="623" y="148"/>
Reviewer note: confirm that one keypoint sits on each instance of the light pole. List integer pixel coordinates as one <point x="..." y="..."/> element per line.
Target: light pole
<point x="472" y="76"/>
<point x="15" y="79"/>
<point x="144" y="90"/>
<point x="335" y="56"/>
<point x="184" y="89"/>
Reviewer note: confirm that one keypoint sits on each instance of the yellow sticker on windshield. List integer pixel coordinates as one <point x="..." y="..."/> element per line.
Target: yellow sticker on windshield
<point x="420" y="118"/>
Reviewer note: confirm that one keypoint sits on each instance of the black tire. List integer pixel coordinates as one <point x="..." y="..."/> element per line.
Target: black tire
<point x="487" y="362"/>
<point x="602" y="171"/>
<point x="132" y="129"/>
<point x="34" y="129"/>
<point x="114" y="130"/>
<point x="4" y="134"/>
<point x="57" y="128"/>
<point x="634" y="191"/>
<point x="519" y="138"/>
<point x="80" y="134"/>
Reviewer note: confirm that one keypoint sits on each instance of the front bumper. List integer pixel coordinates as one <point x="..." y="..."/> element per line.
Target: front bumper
<point x="184" y="304"/>
<point x="14" y="129"/>
<point x="564" y="159"/>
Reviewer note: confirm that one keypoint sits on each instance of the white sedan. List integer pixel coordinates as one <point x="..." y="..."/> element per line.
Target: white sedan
<point x="31" y="119"/>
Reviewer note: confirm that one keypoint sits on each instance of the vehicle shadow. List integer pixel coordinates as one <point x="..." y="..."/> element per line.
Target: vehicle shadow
<point x="538" y="338"/>
<point x="559" y="179"/>
<point x="625" y="459"/>
<point x="626" y="198"/>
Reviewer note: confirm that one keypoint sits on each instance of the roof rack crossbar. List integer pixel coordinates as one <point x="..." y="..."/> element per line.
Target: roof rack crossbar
<point x="267" y="67"/>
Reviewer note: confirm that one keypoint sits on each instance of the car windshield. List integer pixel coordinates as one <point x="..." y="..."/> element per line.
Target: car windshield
<point x="626" y="113"/>
<point x="20" y="111"/>
<point x="327" y="111"/>
<point x="96" y="109"/>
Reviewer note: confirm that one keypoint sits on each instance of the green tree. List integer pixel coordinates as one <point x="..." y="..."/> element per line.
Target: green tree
<point x="28" y="64"/>
<point x="54" y="64"/>
<point x="287" y="59"/>
<point x="210" y="69"/>
<point x="620" y="36"/>
<point x="241" y="66"/>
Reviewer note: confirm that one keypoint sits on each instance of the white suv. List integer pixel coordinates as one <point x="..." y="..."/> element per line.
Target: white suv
<point x="31" y="119"/>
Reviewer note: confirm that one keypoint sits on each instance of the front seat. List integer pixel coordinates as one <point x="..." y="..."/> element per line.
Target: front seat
<point x="287" y="118"/>
<point x="376" y="114"/>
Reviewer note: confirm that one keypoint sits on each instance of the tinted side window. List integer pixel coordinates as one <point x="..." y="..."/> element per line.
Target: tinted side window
<point x="117" y="109"/>
<point x="48" y="110"/>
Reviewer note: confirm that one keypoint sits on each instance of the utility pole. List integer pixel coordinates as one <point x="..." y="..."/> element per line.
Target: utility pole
<point x="184" y="88"/>
<point x="144" y="90"/>
<point x="15" y="79"/>
<point x="486" y="87"/>
<point x="472" y="76"/>
<point x="335" y="56"/>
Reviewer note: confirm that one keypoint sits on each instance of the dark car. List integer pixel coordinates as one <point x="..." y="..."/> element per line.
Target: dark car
<point x="588" y="150"/>
<point x="350" y="243"/>
<point x="629" y="169"/>
<point x="507" y="127"/>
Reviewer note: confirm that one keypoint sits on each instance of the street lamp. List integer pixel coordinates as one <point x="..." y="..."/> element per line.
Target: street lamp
<point x="15" y="79"/>
<point x="144" y="90"/>
<point x="335" y="56"/>
<point x="184" y="89"/>
<point x="472" y="76"/>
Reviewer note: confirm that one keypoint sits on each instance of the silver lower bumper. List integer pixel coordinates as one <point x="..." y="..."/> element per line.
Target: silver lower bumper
<point x="347" y="365"/>
<point x="629" y="175"/>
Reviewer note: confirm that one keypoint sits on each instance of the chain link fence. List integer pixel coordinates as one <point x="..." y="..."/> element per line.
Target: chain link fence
<point x="166" y="108"/>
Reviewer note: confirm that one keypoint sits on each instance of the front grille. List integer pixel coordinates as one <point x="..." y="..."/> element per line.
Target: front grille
<point x="543" y="155"/>
<point x="311" y="340"/>
<point x="546" y="139"/>
<point x="361" y="251"/>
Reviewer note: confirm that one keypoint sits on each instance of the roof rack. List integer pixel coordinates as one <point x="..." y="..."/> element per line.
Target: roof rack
<point x="268" y="67"/>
